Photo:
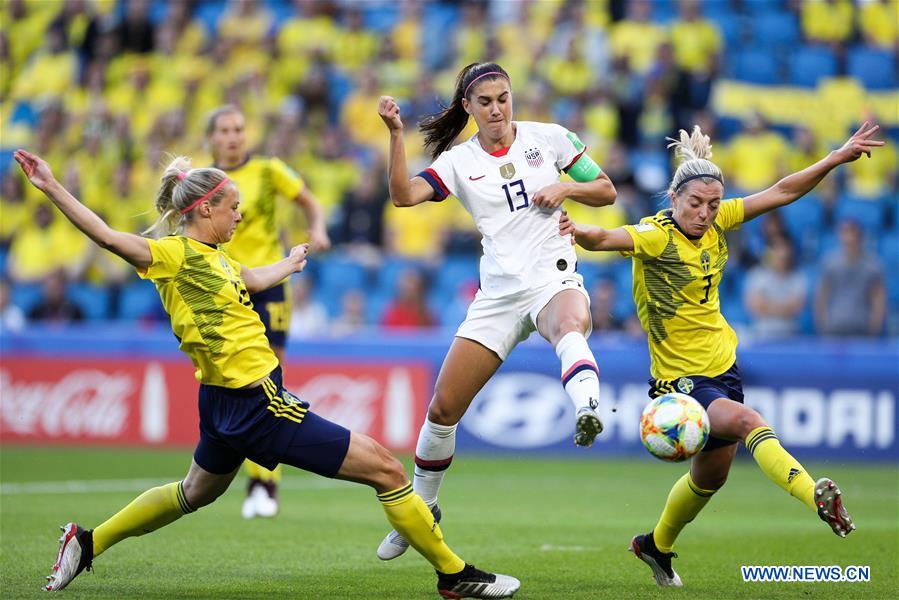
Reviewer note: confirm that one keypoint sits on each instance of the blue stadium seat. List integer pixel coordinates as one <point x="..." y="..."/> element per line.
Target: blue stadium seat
<point x="337" y="275"/>
<point x="756" y="65"/>
<point x="875" y="68"/>
<point x="868" y="213"/>
<point x="139" y="300"/>
<point x="889" y="251"/>
<point x="4" y="253"/>
<point x="381" y="16"/>
<point x="808" y="64"/>
<point x="91" y="299"/>
<point x="391" y="270"/>
<point x="26" y="295"/>
<point x="775" y="29"/>
<point x="759" y="8"/>
<point x="452" y="273"/>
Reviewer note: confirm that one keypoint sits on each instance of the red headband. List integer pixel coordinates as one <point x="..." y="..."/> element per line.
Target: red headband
<point x="206" y="196"/>
<point x="465" y="95"/>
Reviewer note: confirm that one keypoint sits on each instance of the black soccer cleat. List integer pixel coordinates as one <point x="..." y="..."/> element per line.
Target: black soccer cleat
<point x="471" y="582"/>
<point x="76" y="551"/>
<point x="644" y="547"/>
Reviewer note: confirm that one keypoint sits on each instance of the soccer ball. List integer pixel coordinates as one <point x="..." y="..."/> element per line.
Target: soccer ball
<point x="674" y="427"/>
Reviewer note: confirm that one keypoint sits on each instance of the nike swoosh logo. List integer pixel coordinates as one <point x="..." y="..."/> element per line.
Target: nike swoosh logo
<point x="476" y="178"/>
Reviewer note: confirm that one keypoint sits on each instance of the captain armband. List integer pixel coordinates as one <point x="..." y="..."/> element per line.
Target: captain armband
<point x="584" y="169"/>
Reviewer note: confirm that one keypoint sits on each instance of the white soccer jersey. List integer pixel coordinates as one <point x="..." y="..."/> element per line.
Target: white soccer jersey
<point x="521" y="242"/>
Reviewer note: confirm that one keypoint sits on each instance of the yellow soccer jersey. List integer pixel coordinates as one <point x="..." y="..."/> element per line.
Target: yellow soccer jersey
<point x="676" y="292"/>
<point x="202" y="290"/>
<point x="260" y="181"/>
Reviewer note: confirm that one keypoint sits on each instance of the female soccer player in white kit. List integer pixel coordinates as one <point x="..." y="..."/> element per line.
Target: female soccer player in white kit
<point x="507" y="178"/>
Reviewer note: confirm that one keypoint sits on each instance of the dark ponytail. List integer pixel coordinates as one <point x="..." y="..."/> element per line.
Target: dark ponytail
<point x="441" y="129"/>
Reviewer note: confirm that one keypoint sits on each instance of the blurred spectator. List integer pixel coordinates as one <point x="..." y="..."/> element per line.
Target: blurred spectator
<point x="878" y="23"/>
<point x="55" y="306"/>
<point x="47" y="245"/>
<point x="15" y="211"/>
<point x="308" y="317"/>
<point x="352" y="316"/>
<point x="12" y="319"/>
<point x="409" y="309"/>
<point x="136" y="32"/>
<point x="359" y="220"/>
<point x="602" y="307"/>
<point x="851" y="299"/>
<point x="637" y="37"/>
<point x="828" y="21"/>
<point x="775" y="292"/>
<point x="757" y="157"/>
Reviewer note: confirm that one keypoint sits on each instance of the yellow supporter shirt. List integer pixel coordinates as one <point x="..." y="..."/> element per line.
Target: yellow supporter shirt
<point x="260" y="181"/>
<point x="638" y="41"/>
<point x="695" y="43"/>
<point x="756" y="161"/>
<point x="879" y="22"/>
<point x="676" y="292"/>
<point x="827" y="21"/>
<point x="202" y="290"/>
<point x="37" y="252"/>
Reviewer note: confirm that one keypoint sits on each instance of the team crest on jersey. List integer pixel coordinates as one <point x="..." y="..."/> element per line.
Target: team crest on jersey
<point x="685" y="385"/>
<point x="507" y="170"/>
<point x="704" y="261"/>
<point x="534" y="158"/>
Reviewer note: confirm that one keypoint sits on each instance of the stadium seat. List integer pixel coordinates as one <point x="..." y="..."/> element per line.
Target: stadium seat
<point x="337" y="275"/>
<point x="391" y="270"/>
<point x="759" y="8"/>
<point x="381" y="16"/>
<point x="26" y="295"/>
<point x="775" y="29"/>
<point x="808" y="64"/>
<point x="91" y="299"/>
<point x="875" y="68"/>
<point x="139" y="300"/>
<point x="756" y="65"/>
<point x="868" y="213"/>
<point x="452" y="273"/>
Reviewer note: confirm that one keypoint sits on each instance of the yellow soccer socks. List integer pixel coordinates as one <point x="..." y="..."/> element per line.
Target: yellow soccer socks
<point x="780" y="466"/>
<point x="411" y="518"/>
<point x="685" y="500"/>
<point x="255" y="471"/>
<point x="148" y="512"/>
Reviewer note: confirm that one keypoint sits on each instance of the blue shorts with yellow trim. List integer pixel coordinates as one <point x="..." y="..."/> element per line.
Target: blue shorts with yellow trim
<point x="274" y="310"/>
<point x="705" y="390"/>
<point x="268" y="425"/>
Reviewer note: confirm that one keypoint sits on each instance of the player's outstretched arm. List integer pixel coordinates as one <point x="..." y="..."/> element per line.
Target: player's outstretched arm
<point x="403" y="191"/>
<point x="792" y="187"/>
<point x="590" y="237"/>
<point x="132" y="248"/>
<point x="262" y="278"/>
<point x="315" y="217"/>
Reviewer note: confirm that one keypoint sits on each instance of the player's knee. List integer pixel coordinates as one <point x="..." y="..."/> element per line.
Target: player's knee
<point x="749" y="420"/>
<point x="442" y="410"/>
<point x="199" y="496"/>
<point x="568" y="324"/>
<point x="390" y="473"/>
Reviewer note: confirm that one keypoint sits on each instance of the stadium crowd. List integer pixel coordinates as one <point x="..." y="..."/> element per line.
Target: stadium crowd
<point x="104" y="89"/>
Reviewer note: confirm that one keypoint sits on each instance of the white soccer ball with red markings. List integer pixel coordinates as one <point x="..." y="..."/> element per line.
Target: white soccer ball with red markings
<point x="674" y="427"/>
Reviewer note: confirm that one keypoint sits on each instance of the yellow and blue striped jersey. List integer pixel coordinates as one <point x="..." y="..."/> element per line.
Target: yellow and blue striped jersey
<point x="205" y="296"/>
<point x="260" y="181"/>
<point x="676" y="292"/>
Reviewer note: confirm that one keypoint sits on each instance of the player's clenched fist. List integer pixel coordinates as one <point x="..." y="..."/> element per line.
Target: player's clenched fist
<point x="389" y="110"/>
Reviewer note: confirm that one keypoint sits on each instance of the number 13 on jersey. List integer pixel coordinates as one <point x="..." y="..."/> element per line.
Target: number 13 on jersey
<point x="520" y="193"/>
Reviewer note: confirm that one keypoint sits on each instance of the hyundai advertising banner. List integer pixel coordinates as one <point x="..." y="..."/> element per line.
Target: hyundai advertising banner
<point x="827" y="400"/>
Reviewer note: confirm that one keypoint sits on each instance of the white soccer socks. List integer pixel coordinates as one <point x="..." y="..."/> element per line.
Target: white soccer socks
<point x="580" y="375"/>
<point x="433" y="455"/>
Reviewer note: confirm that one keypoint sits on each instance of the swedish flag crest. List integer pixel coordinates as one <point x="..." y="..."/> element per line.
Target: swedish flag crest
<point x="685" y="385"/>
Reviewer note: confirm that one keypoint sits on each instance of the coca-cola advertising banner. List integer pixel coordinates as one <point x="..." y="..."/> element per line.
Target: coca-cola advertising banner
<point x="140" y="402"/>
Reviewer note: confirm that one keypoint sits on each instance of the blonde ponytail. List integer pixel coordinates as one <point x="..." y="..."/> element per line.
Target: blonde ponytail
<point x="180" y="187"/>
<point x="693" y="151"/>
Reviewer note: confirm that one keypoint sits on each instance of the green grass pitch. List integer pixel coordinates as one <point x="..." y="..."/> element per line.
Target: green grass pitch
<point x="561" y="526"/>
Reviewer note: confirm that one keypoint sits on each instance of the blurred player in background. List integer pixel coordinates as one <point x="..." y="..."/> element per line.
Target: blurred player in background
<point x="244" y="409"/>
<point x="507" y="178"/>
<point x="257" y="242"/>
<point x="679" y="257"/>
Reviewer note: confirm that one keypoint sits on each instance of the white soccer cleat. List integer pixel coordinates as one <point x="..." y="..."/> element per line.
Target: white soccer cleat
<point x="395" y="545"/>
<point x="471" y="582"/>
<point x="588" y="426"/>
<point x="76" y="551"/>
<point x="266" y="506"/>
<point x="644" y="548"/>
<point x="830" y="507"/>
<point x="248" y="509"/>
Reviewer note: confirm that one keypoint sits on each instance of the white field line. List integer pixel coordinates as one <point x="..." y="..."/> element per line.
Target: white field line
<point x="131" y="485"/>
